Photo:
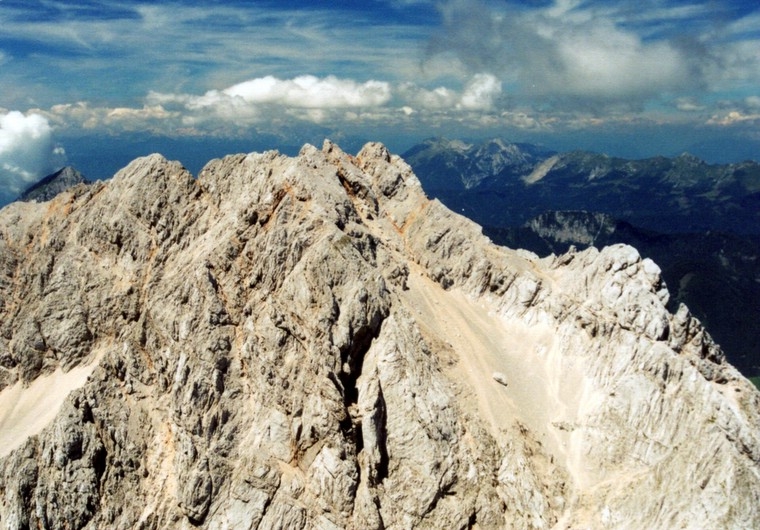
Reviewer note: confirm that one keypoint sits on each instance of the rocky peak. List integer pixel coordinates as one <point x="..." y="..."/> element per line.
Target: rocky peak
<point x="53" y="184"/>
<point x="312" y="342"/>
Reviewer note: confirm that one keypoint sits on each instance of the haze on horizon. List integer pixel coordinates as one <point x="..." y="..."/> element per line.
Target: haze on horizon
<point x="96" y="83"/>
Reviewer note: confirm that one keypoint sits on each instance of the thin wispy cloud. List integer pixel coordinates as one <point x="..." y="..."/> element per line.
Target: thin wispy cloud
<point x="161" y="47"/>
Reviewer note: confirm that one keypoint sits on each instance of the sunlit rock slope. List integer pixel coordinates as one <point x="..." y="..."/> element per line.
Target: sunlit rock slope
<point x="311" y="342"/>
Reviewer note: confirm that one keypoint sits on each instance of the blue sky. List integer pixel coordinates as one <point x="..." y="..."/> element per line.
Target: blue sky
<point x="94" y="83"/>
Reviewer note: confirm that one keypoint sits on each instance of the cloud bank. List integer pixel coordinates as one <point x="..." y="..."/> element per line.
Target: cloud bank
<point x="27" y="151"/>
<point x="270" y="102"/>
<point x="570" y="49"/>
<point x="480" y="93"/>
<point x="305" y="91"/>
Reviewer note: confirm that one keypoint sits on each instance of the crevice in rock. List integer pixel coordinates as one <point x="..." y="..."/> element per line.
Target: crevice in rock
<point x="381" y="471"/>
<point x="352" y="358"/>
<point x="353" y="362"/>
<point x="376" y="502"/>
<point x="439" y="494"/>
<point x="265" y="508"/>
<point x="99" y="461"/>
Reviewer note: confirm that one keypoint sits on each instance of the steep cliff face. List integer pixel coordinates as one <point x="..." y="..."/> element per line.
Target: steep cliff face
<point x="311" y="342"/>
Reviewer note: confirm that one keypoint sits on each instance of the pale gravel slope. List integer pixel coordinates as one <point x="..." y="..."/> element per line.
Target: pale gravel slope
<point x="26" y="410"/>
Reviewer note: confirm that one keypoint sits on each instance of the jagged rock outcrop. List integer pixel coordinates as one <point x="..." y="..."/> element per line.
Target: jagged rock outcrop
<point x="715" y="274"/>
<point x="311" y="342"/>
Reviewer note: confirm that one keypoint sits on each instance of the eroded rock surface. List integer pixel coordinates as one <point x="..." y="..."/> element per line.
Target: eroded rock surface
<point x="310" y="342"/>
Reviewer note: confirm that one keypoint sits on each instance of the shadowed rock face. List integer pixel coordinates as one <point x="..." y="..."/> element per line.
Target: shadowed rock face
<point x="311" y="342"/>
<point x="53" y="184"/>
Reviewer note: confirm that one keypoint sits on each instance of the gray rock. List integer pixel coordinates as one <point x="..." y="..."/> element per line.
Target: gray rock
<point x="53" y="184"/>
<point x="308" y="342"/>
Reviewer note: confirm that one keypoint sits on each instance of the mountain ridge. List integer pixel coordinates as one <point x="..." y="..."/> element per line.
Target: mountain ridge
<point x="714" y="274"/>
<point x="310" y="341"/>
<point x="680" y="201"/>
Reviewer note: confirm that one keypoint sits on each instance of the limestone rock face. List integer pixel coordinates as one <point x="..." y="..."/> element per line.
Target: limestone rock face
<point x="310" y="342"/>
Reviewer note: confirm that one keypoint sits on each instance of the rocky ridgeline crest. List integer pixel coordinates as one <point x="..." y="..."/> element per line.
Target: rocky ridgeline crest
<point x="311" y="342"/>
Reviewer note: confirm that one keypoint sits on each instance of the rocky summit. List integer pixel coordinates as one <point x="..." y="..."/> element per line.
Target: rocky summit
<point x="310" y="342"/>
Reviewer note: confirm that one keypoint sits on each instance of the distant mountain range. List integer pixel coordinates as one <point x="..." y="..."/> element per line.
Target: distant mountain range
<point x="699" y="222"/>
<point x="504" y="184"/>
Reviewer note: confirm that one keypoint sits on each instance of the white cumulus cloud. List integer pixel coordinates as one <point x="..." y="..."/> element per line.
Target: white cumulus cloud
<point x="734" y="117"/>
<point x="268" y="100"/>
<point x="27" y="151"/>
<point x="305" y="91"/>
<point x="481" y="92"/>
<point x="312" y="92"/>
<point x="436" y="98"/>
